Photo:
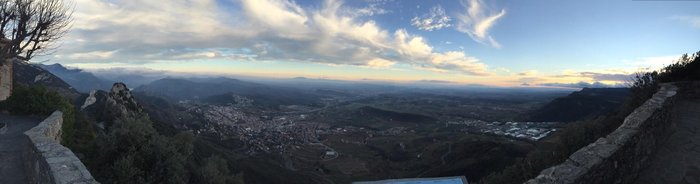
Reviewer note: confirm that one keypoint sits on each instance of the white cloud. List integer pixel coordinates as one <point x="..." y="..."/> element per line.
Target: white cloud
<point x="693" y="21"/>
<point x="478" y="20"/>
<point x="279" y="30"/>
<point x="380" y="63"/>
<point x="529" y="73"/>
<point x="649" y="63"/>
<point x="93" y="54"/>
<point x="436" y="19"/>
<point x="371" y="10"/>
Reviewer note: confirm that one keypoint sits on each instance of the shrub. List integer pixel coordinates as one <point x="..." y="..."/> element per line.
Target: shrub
<point x="37" y="100"/>
<point x="133" y="152"/>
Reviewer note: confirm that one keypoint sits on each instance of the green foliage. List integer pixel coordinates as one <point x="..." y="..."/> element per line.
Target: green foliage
<point x="37" y="100"/>
<point x="133" y="152"/>
<point x="215" y="171"/>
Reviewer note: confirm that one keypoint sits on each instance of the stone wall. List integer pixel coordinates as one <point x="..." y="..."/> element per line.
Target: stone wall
<point x="618" y="157"/>
<point x="47" y="161"/>
<point x="5" y="79"/>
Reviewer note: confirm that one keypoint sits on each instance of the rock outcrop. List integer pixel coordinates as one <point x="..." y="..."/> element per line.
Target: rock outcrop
<point x="106" y="107"/>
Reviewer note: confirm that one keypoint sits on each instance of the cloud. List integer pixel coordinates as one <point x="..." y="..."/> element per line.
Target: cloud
<point x="651" y="63"/>
<point x="478" y="20"/>
<point x="528" y="73"/>
<point x="435" y="81"/>
<point x="92" y="54"/>
<point x="616" y="77"/>
<point x="371" y="10"/>
<point x="607" y="76"/>
<point x="693" y="21"/>
<point x="380" y="63"/>
<point x="436" y="19"/>
<point x="582" y="84"/>
<point x="133" y="31"/>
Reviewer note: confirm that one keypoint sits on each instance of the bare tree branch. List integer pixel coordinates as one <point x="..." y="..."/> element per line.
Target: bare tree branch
<point x="29" y="27"/>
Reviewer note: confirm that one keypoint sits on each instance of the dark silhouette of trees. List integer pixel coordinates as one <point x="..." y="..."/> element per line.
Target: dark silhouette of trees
<point x="29" y="27"/>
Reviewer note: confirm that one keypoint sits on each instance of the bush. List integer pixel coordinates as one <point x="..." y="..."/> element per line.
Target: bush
<point x="215" y="171"/>
<point x="37" y="100"/>
<point x="686" y="68"/>
<point x="133" y="152"/>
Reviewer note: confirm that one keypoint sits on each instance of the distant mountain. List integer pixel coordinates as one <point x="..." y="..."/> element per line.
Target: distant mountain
<point x="587" y="103"/>
<point x="31" y="75"/>
<point x="222" y="91"/>
<point x="82" y="81"/>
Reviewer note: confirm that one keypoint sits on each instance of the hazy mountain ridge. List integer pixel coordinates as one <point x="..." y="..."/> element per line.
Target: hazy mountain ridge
<point x="32" y="75"/>
<point x="587" y="103"/>
<point x="81" y="80"/>
<point x="220" y="91"/>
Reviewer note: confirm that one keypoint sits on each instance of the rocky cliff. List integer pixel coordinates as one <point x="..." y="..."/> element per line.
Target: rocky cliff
<point x="106" y="107"/>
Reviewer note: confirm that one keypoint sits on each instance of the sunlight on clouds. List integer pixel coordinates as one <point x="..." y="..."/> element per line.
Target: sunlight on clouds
<point x="279" y="30"/>
<point x="477" y="20"/>
<point x="380" y="63"/>
<point x="91" y="55"/>
<point x="528" y="73"/>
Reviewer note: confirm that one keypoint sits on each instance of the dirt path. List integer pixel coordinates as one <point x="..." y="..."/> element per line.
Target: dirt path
<point x="678" y="160"/>
<point x="11" y="144"/>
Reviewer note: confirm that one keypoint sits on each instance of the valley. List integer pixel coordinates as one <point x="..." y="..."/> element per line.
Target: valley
<point x="339" y="137"/>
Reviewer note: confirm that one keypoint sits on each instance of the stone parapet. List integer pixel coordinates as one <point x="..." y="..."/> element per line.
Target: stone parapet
<point x="47" y="161"/>
<point x="618" y="157"/>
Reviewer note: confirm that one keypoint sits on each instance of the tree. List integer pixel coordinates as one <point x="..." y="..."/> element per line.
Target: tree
<point x="29" y="27"/>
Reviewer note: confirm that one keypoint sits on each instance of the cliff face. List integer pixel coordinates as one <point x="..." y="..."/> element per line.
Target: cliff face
<point x="105" y="107"/>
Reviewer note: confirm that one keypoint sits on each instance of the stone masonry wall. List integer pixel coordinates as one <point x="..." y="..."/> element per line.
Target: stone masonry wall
<point x="5" y="79"/>
<point x="47" y="161"/>
<point x="618" y="157"/>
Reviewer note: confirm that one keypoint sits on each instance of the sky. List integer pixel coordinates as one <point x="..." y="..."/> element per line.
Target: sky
<point x="499" y="43"/>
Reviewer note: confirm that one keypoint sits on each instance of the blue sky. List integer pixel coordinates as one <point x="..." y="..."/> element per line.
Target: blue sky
<point x="505" y="43"/>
